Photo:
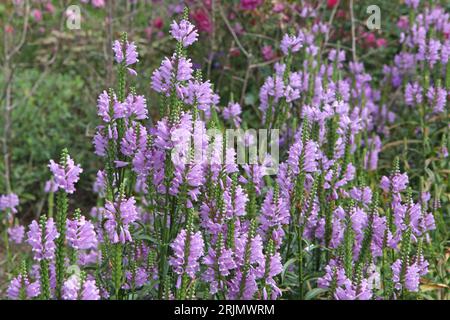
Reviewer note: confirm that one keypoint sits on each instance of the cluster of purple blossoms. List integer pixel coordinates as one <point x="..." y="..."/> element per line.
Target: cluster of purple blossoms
<point x="65" y="176"/>
<point x="118" y="218"/>
<point x="291" y="43"/>
<point x="42" y="242"/>
<point x="125" y="53"/>
<point x="186" y="259"/>
<point x="9" y="201"/>
<point x="16" y="234"/>
<point x="21" y="284"/>
<point x="75" y="289"/>
<point x="184" y="32"/>
<point x="81" y="234"/>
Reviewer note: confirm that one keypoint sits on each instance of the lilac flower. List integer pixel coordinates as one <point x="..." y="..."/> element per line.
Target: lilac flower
<point x="437" y="98"/>
<point x="66" y="177"/>
<point x="9" y="201"/>
<point x="43" y="248"/>
<point x="73" y="290"/>
<point x="398" y="182"/>
<point x="184" y="32"/>
<point x="90" y="291"/>
<point x="16" y="234"/>
<point x="118" y="218"/>
<point x="162" y="77"/>
<point x="131" y="55"/>
<point x="190" y="264"/>
<point x="232" y="112"/>
<point x="20" y="282"/>
<point x="81" y="234"/>
<point x="99" y="184"/>
<point x="50" y="186"/>
<point x="235" y="206"/>
<point x="291" y="43"/>
<point x="413" y="94"/>
<point x="103" y="106"/>
<point x="274" y="216"/>
<point x="199" y="94"/>
<point x="414" y="4"/>
<point x="352" y="292"/>
<point x="139" y="279"/>
<point x="412" y="276"/>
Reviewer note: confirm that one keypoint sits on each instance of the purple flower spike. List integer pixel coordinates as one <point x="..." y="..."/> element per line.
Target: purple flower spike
<point x="184" y="32"/>
<point x="66" y="177"/>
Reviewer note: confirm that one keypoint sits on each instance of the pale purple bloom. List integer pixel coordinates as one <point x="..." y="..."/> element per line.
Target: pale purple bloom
<point x="190" y="264"/>
<point x="163" y="76"/>
<point x="131" y="55"/>
<point x="291" y="43"/>
<point x="9" y="201"/>
<point x="414" y="4"/>
<point x="81" y="234"/>
<point x="20" y="282"/>
<point x="66" y="177"/>
<point x="73" y="290"/>
<point x="184" y="32"/>
<point x="43" y="248"/>
<point x="232" y="112"/>
<point x="437" y="99"/>
<point x="413" y="94"/>
<point x="16" y="234"/>
<point x="274" y="216"/>
<point x="118" y="218"/>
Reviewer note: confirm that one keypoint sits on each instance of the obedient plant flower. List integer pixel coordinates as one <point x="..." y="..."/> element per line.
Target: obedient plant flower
<point x="187" y="253"/>
<point x="119" y="216"/>
<point x="291" y="43"/>
<point x="437" y="98"/>
<point x="274" y="216"/>
<point x="81" y="234"/>
<point x="75" y="289"/>
<point x="125" y="53"/>
<point x="184" y="32"/>
<point x="9" y="201"/>
<point x="16" y="234"/>
<point x="42" y="240"/>
<point x="232" y="112"/>
<point x="20" y="288"/>
<point x="164" y="78"/>
<point x="65" y="176"/>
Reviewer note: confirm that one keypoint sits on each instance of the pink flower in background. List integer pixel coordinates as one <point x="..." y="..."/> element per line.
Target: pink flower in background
<point x="49" y="7"/>
<point x="332" y="3"/>
<point x="370" y="39"/>
<point x="381" y="42"/>
<point x="98" y="3"/>
<point x="202" y="20"/>
<point x="278" y="7"/>
<point x="37" y="15"/>
<point x="267" y="53"/>
<point x="403" y="22"/>
<point x="250" y="4"/>
<point x="158" y="23"/>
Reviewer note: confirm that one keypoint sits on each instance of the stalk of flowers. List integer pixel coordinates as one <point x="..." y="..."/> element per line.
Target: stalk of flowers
<point x="78" y="287"/>
<point x="8" y="210"/>
<point x="65" y="175"/>
<point x="20" y="287"/>
<point x="188" y="249"/>
<point x="41" y="238"/>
